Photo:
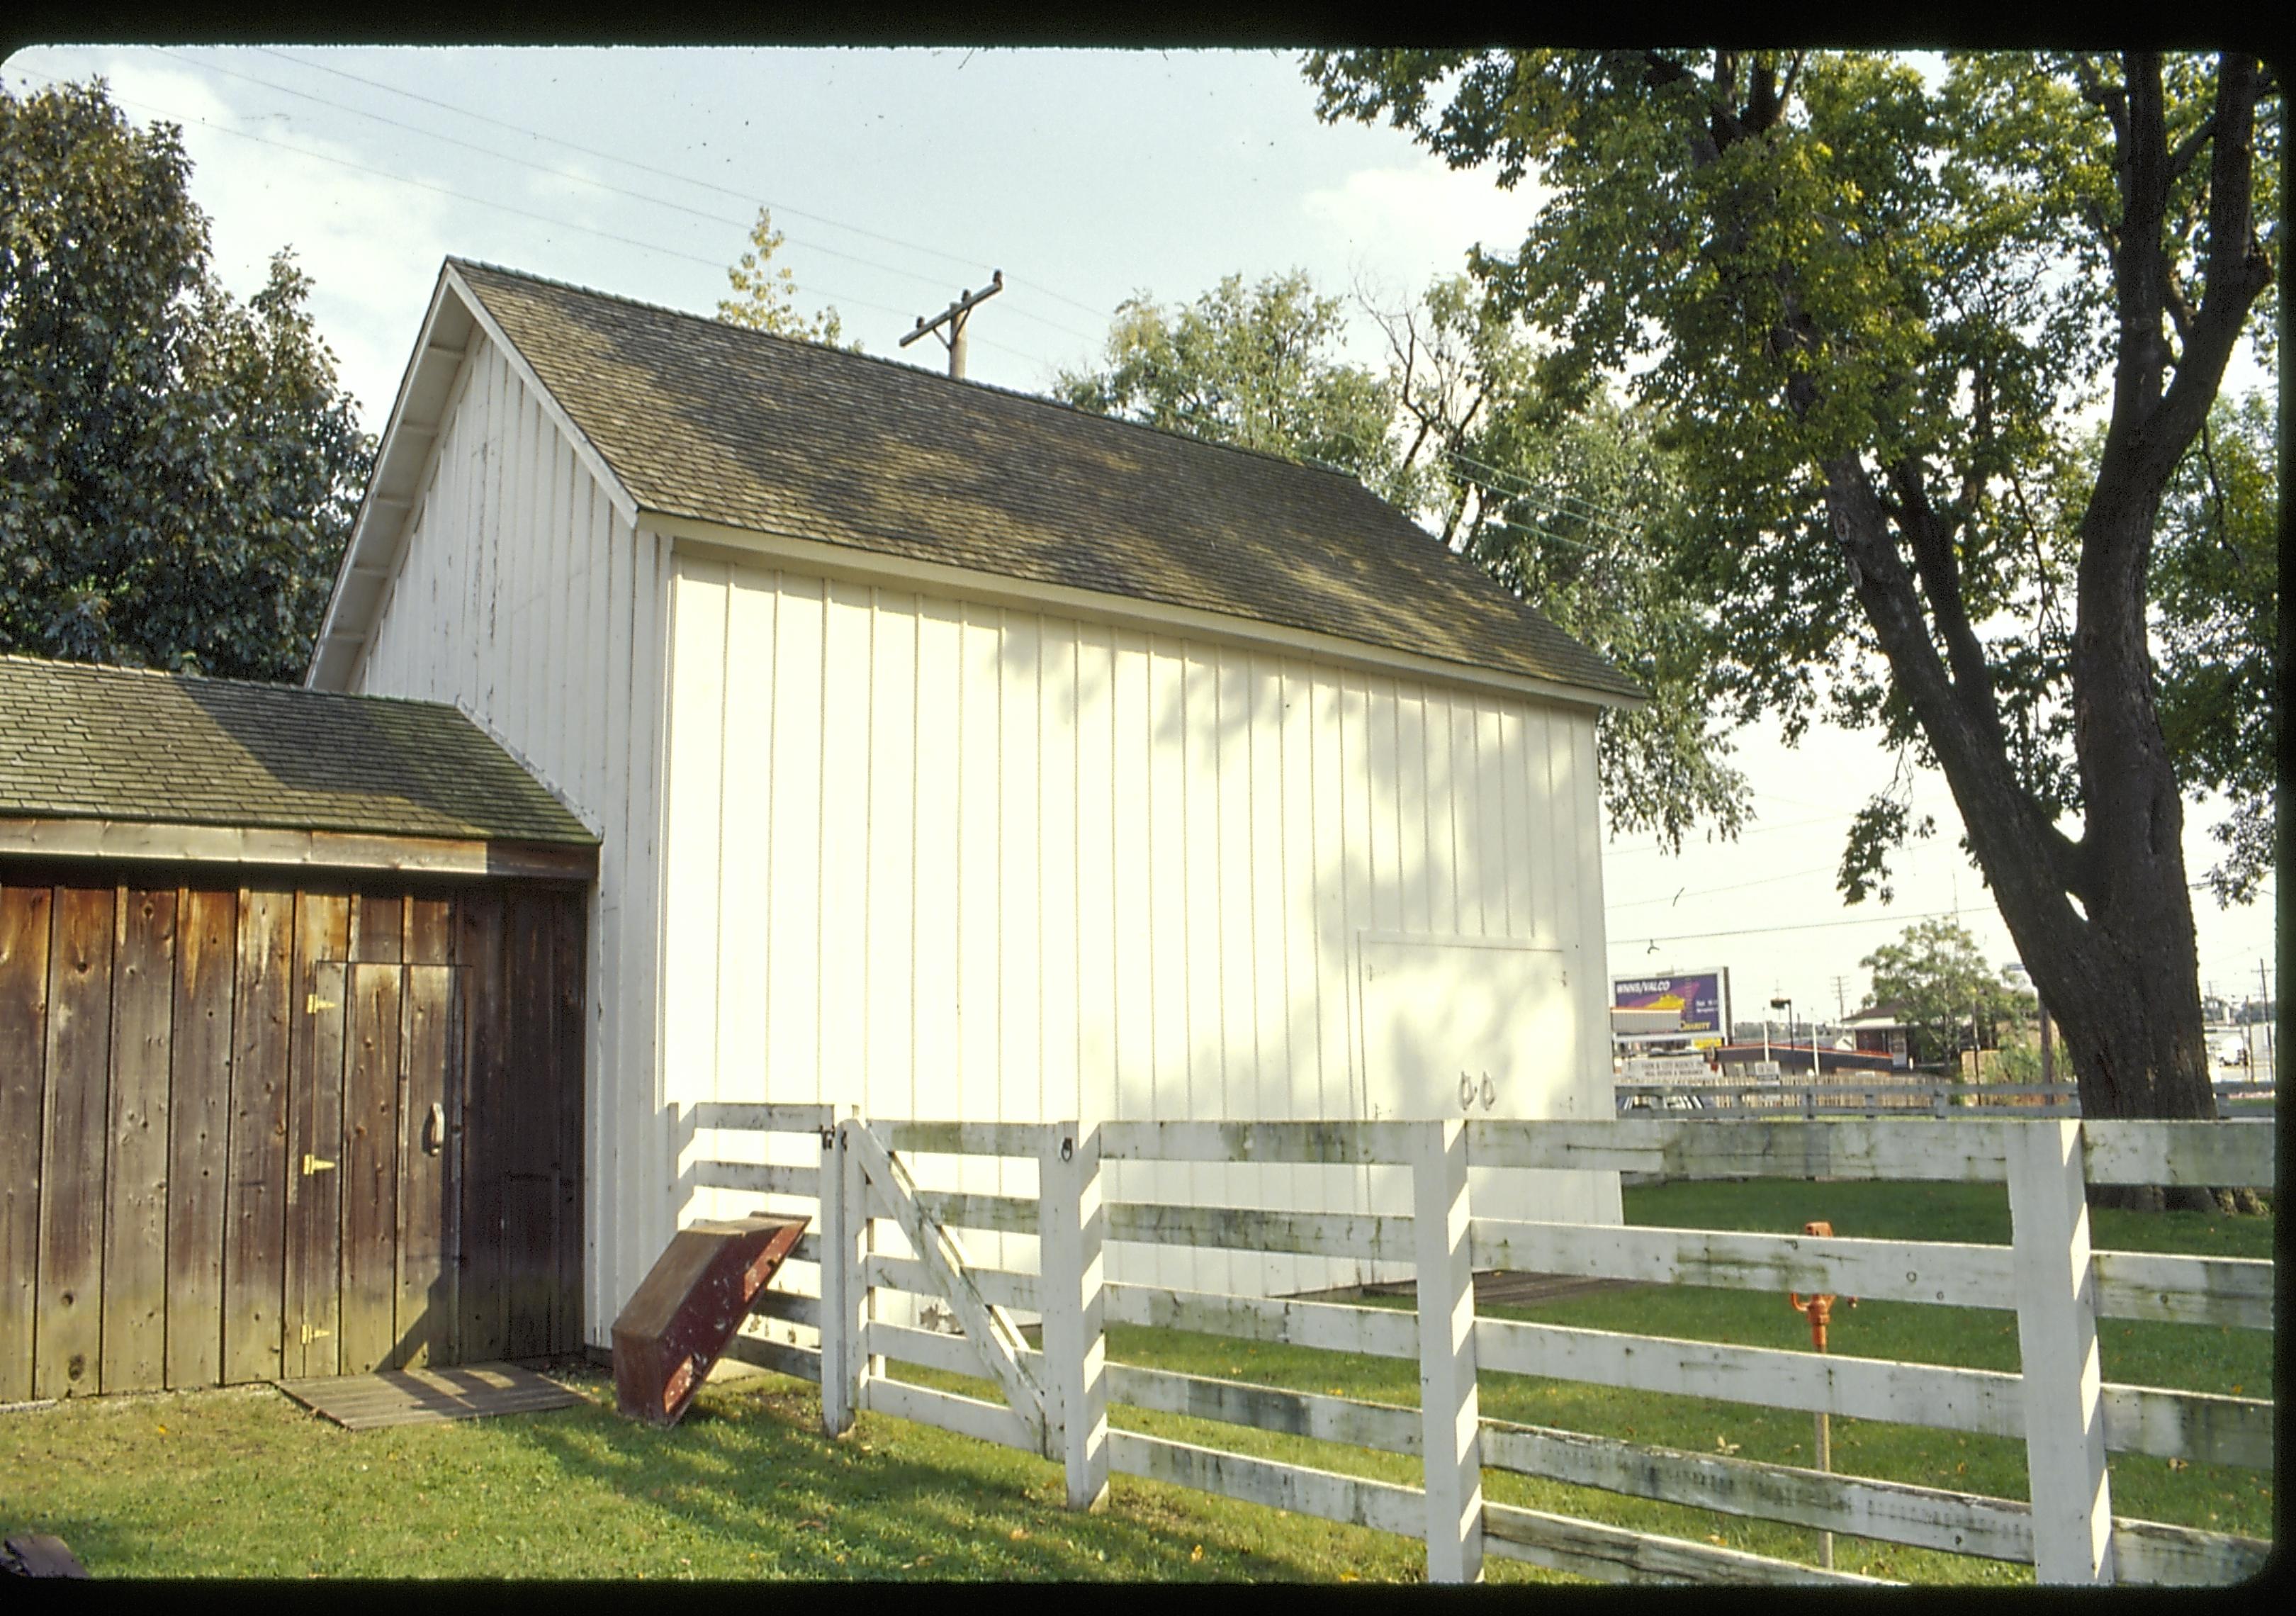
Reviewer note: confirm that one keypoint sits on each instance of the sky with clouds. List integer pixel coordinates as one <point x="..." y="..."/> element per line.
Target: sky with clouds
<point x="902" y="179"/>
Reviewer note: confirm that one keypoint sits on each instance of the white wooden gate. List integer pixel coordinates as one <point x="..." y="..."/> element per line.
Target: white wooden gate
<point x="1055" y="1399"/>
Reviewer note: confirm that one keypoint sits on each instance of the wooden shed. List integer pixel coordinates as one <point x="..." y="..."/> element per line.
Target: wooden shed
<point x="290" y="1036"/>
<point x="957" y="753"/>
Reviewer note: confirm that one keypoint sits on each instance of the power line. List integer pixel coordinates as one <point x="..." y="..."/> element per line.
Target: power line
<point x="1484" y="519"/>
<point x="1829" y="813"/>
<point x="1594" y="515"/>
<point x="687" y="179"/>
<point x="1500" y="522"/>
<point x="1807" y="925"/>
<point x="1526" y="488"/>
<point x="585" y="179"/>
<point x="419" y="185"/>
<point x="1657" y="845"/>
<point x="401" y="179"/>
<point x="1639" y="903"/>
<point x="1624" y="525"/>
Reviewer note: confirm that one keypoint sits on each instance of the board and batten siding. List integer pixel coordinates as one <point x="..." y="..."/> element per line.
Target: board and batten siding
<point x="938" y="859"/>
<point x="522" y="595"/>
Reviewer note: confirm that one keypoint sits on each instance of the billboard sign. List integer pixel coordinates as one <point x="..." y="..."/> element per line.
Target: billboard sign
<point x="1699" y="1001"/>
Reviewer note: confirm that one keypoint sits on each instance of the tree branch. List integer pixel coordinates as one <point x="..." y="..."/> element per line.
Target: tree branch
<point x="2216" y="493"/>
<point x="1972" y="477"/>
<point x="2238" y="269"/>
<point x="2140" y="270"/>
<point x="2009" y="831"/>
<point x="1722" y="117"/>
<point x="2047" y="585"/>
<point x="2188" y="148"/>
<point x="1939" y="570"/>
<point x="2109" y="99"/>
<point x="1785" y="95"/>
<point x="2181" y="313"/>
<point x="1724" y="126"/>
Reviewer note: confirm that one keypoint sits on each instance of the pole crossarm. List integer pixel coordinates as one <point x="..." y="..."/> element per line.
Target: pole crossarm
<point x="955" y="316"/>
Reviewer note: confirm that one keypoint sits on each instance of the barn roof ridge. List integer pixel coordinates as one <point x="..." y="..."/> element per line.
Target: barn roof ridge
<point x="905" y="368"/>
<point x="217" y="678"/>
<point x="683" y="417"/>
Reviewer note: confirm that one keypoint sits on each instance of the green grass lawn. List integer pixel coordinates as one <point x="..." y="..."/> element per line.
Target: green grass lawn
<point x="245" y="1483"/>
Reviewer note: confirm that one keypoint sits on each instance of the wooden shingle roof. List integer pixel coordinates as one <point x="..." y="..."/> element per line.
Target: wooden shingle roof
<point x="82" y="742"/>
<point x="716" y="422"/>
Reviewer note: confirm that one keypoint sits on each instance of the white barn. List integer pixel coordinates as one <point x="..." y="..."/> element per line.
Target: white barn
<point x="955" y="753"/>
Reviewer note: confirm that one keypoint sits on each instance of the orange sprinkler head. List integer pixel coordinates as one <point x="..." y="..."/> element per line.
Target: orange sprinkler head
<point x="1817" y="1309"/>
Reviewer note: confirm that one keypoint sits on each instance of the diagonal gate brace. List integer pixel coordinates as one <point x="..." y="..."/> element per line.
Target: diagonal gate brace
<point x="685" y="1313"/>
<point x="989" y="1328"/>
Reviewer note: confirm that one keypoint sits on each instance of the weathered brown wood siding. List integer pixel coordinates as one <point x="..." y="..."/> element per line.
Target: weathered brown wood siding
<point x="24" y="930"/>
<point x="199" y="1133"/>
<point x="302" y="1126"/>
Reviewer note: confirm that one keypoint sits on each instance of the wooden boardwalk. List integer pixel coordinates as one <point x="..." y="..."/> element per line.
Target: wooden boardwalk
<point x="423" y="1396"/>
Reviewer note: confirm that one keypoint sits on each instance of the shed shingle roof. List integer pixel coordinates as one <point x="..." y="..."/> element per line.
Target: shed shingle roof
<point x="81" y="741"/>
<point x="723" y="425"/>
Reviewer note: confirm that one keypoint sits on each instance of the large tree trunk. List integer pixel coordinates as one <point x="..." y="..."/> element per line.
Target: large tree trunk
<point x="2130" y="1000"/>
<point x="2104" y="926"/>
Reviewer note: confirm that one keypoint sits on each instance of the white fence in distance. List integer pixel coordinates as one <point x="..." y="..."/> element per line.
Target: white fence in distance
<point x="1876" y="1095"/>
<point x="1057" y="1394"/>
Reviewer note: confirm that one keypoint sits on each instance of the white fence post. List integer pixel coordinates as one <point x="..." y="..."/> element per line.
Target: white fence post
<point x="861" y="1364"/>
<point x="1070" y="1226"/>
<point x="1450" y="1413"/>
<point x="839" y="1309"/>
<point x="2056" y="1341"/>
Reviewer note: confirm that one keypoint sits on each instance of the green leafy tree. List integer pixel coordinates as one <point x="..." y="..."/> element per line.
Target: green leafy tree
<point x="178" y="472"/>
<point x="1941" y="986"/>
<point x="1251" y="366"/>
<point x="1457" y="432"/>
<point x="765" y="292"/>
<point x="1874" y="310"/>
<point x="2216" y="591"/>
<point x="1567" y="508"/>
<point x="2019" y="1062"/>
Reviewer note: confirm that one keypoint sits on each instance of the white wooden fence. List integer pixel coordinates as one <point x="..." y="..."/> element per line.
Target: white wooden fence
<point x="1878" y="1095"/>
<point x="1056" y="1394"/>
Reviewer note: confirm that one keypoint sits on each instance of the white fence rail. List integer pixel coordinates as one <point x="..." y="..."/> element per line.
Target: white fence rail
<point x="1056" y="1393"/>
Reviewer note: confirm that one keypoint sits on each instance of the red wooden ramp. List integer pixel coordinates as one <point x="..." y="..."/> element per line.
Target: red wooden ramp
<point x="701" y="1288"/>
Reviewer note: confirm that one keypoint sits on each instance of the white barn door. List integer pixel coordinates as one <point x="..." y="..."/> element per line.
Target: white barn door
<point x="1479" y="1028"/>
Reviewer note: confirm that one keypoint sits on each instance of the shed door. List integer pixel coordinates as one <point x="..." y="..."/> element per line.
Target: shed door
<point x="1473" y="1028"/>
<point x="372" y="1171"/>
<point x="1466" y="1028"/>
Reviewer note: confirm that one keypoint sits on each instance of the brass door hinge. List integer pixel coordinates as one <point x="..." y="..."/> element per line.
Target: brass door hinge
<point x="310" y="1336"/>
<point x="313" y="1004"/>
<point x="315" y="1164"/>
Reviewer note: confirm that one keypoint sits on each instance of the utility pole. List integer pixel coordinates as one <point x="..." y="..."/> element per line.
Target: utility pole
<point x="2265" y="982"/>
<point x="955" y="316"/>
